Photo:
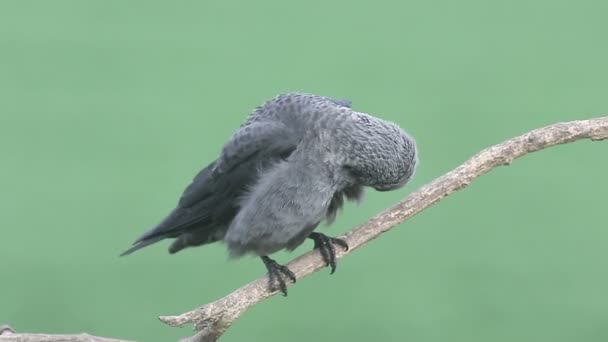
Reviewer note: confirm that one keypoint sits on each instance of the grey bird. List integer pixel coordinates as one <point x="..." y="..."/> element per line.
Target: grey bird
<point x="290" y="166"/>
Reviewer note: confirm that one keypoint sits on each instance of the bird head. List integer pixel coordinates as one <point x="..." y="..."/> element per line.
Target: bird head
<point x="383" y="156"/>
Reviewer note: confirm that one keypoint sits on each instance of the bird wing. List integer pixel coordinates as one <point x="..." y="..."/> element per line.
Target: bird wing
<point x="211" y="199"/>
<point x="259" y="139"/>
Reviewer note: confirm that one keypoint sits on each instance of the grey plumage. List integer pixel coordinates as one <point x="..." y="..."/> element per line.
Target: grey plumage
<point x="289" y="167"/>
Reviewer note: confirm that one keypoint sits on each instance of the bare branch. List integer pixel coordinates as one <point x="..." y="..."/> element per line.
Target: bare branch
<point x="214" y="318"/>
<point x="7" y="334"/>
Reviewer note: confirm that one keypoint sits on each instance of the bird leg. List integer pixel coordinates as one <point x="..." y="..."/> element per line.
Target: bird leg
<point x="277" y="274"/>
<point x="325" y="245"/>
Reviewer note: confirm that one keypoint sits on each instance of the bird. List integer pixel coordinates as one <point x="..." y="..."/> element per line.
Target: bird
<point x="289" y="167"/>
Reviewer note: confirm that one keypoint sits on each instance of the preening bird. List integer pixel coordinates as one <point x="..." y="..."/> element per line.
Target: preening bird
<point x="289" y="167"/>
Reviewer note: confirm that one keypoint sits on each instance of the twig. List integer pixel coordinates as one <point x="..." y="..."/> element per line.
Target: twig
<point x="7" y="334"/>
<point x="213" y="319"/>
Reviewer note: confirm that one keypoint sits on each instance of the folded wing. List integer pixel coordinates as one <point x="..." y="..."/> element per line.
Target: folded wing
<point x="210" y="202"/>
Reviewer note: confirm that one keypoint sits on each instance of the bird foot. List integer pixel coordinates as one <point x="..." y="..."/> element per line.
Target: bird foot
<point x="277" y="275"/>
<point x="325" y="245"/>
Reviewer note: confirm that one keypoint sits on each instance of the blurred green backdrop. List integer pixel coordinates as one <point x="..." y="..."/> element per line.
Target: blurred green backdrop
<point x="108" y="109"/>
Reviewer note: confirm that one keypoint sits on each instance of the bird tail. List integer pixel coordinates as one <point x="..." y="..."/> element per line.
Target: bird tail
<point x="142" y="243"/>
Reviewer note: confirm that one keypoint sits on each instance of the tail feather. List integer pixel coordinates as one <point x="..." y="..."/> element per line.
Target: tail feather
<point x="179" y="221"/>
<point x="142" y="243"/>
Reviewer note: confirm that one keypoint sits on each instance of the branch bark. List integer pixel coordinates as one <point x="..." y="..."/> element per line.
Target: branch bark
<point x="213" y="319"/>
<point x="7" y="334"/>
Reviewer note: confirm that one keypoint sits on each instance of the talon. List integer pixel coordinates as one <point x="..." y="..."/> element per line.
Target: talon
<point x="341" y="243"/>
<point x="286" y="271"/>
<point x="332" y="256"/>
<point x="277" y="274"/>
<point x="325" y="245"/>
<point x="282" y="287"/>
<point x="321" y="245"/>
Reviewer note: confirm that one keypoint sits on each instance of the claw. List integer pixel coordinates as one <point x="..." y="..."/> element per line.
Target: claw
<point x="277" y="274"/>
<point x="341" y="243"/>
<point x="325" y="245"/>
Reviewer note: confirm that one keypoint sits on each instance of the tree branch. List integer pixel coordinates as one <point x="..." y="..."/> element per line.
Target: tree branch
<point x="7" y="334"/>
<point x="213" y="319"/>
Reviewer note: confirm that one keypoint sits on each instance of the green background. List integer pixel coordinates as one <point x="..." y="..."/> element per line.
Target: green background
<point x="108" y="109"/>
